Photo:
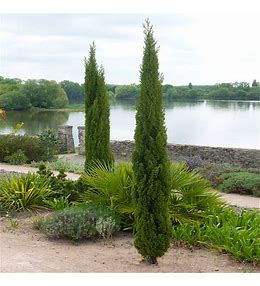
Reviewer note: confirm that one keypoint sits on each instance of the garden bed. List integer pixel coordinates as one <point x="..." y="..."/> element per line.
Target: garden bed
<point x="24" y="249"/>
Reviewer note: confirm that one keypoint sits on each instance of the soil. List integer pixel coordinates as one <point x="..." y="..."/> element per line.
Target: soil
<point x="25" y="249"/>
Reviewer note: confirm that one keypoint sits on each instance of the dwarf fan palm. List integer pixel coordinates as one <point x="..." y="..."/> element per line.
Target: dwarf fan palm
<point x="110" y="185"/>
<point x="191" y="197"/>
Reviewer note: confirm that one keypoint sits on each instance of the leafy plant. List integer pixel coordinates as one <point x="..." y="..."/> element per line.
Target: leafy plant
<point x="60" y="185"/>
<point x="240" y="182"/>
<point x="79" y="222"/>
<point x="2" y="114"/>
<point x="12" y="225"/>
<point x="237" y="233"/>
<point x="111" y="186"/>
<point x="26" y="192"/>
<point x="17" y="158"/>
<point x="191" y="197"/>
<point x="60" y="164"/>
<point x="58" y="203"/>
<point x="17" y="127"/>
<point x="37" y="222"/>
<point x="105" y="227"/>
<point x="50" y="139"/>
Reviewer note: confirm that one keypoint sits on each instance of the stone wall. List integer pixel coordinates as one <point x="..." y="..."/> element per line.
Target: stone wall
<point x="66" y="137"/>
<point x="81" y="136"/>
<point x="247" y="158"/>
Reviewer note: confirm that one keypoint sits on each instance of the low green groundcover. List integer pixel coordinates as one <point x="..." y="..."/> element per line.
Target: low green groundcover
<point x="241" y="182"/>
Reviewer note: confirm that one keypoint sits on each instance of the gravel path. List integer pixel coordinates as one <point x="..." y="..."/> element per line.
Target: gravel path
<point x="25" y="249"/>
<point x="232" y="199"/>
<point x="6" y="168"/>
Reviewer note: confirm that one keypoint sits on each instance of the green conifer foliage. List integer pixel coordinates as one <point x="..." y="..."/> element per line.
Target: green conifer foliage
<point x="150" y="161"/>
<point x="97" y="129"/>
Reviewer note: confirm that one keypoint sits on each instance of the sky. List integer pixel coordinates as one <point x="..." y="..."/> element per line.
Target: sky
<point x="197" y="48"/>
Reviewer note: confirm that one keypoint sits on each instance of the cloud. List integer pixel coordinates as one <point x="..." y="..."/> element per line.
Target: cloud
<point x="200" y="49"/>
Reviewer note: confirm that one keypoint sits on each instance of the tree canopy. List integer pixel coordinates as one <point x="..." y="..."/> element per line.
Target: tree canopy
<point x="17" y="95"/>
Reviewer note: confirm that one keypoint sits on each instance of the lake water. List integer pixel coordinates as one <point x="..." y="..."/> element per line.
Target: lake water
<point x="208" y="123"/>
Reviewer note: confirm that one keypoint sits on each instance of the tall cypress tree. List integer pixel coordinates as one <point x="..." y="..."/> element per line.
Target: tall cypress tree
<point x="150" y="161"/>
<point x="97" y="128"/>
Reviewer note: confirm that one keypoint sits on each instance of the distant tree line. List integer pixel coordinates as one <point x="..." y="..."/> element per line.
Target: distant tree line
<point x="16" y="94"/>
<point x="222" y="91"/>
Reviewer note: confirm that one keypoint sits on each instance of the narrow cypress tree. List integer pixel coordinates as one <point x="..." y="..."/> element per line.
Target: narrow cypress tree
<point x="150" y="161"/>
<point x="97" y="129"/>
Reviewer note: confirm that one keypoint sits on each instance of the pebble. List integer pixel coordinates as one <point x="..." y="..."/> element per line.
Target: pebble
<point x="4" y="173"/>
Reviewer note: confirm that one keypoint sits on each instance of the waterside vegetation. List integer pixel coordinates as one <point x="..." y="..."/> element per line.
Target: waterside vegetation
<point x="16" y="94"/>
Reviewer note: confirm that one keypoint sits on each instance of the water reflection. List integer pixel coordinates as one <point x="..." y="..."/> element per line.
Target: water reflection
<point x="124" y="104"/>
<point x="231" y="104"/>
<point x="169" y="104"/>
<point x="209" y="123"/>
<point x="34" y="121"/>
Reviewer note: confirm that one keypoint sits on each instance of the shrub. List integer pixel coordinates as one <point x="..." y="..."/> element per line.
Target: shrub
<point x="105" y="227"/>
<point x="50" y="139"/>
<point x="240" y="182"/>
<point x="25" y="192"/>
<point x="80" y="222"/>
<point x="31" y="146"/>
<point x="237" y="233"/>
<point x="17" y="158"/>
<point x="60" y="185"/>
<point x="213" y="171"/>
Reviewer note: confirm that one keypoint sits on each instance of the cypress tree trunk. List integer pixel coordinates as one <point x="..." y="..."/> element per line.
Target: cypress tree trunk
<point x="97" y="128"/>
<point x="150" y="161"/>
